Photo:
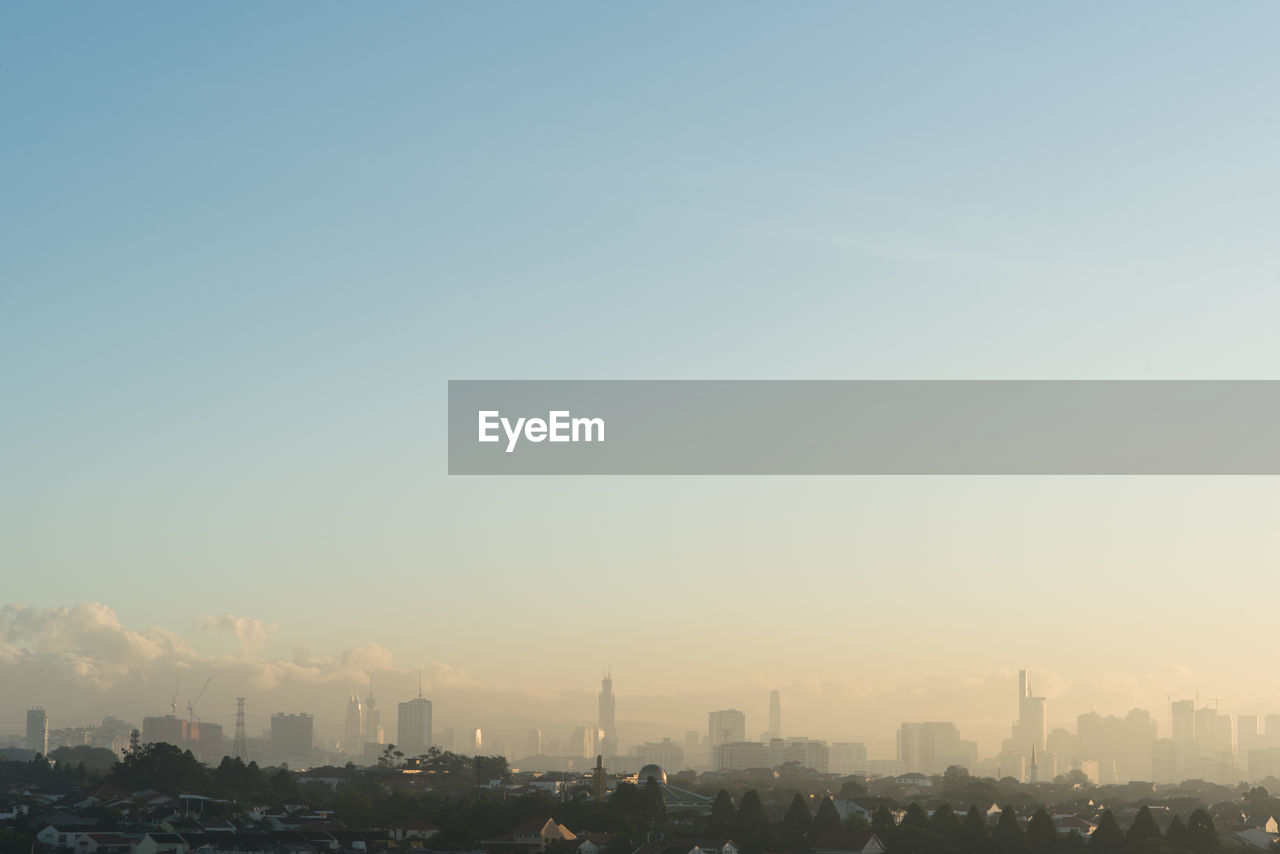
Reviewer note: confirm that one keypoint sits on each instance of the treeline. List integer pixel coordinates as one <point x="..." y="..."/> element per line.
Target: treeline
<point x="946" y="832"/>
<point x="802" y="827"/>
<point x="61" y="774"/>
<point x="451" y="792"/>
<point x="167" y="768"/>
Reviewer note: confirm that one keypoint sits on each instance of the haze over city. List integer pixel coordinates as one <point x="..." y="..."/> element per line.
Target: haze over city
<point x="239" y="263"/>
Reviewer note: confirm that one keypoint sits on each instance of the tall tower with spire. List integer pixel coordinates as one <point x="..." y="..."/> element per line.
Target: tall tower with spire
<point x="413" y="724"/>
<point x="606" y="706"/>
<point x="372" y="718"/>
<point x="353" y="732"/>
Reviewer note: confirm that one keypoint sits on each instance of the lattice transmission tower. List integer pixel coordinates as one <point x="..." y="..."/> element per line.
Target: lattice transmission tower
<point x="239" y="745"/>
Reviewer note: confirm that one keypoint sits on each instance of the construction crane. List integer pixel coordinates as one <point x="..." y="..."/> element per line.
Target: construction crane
<point x="191" y="704"/>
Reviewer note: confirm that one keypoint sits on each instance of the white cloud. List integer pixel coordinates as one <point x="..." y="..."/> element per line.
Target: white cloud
<point x="86" y="640"/>
<point x="251" y="635"/>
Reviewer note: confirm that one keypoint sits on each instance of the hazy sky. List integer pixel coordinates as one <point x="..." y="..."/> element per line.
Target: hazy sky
<point x="243" y="248"/>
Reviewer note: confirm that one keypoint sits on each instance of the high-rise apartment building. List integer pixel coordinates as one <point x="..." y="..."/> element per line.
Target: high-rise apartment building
<point x="1271" y="737"/>
<point x="726" y="726"/>
<point x="848" y="757"/>
<point x="413" y="727"/>
<point x="665" y="753"/>
<point x="930" y="747"/>
<point x="38" y="731"/>
<point x="606" y="719"/>
<point x="775" y="714"/>
<point x="292" y="737"/>
<point x="1183" y="716"/>
<point x="1122" y="747"/>
<point x="1248" y="736"/>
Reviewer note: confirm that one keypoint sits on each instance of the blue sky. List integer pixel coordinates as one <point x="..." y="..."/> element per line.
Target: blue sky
<point x="243" y="247"/>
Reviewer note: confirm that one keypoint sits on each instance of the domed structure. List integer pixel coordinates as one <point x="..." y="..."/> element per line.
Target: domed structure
<point x="654" y="771"/>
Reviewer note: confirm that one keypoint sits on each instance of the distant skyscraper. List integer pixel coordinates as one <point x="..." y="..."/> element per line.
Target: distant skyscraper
<point x="38" y="731"/>
<point x="534" y="747"/>
<point x="478" y="745"/>
<point x="606" y="717"/>
<point x="726" y="726"/>
<point x="292" y="737"/>
<point x="1215" y="734"/>
<point x="848" y="757"/>
<point x="1183" y="713"/>
<point x="167" y="728"/>
<point x="1272" y="733"/>
<point x="1247" y="733"/>
<point x="1033" y="717"/>
<point x="372" y="719"/>
<point x="353" y="732"/>
<point x="775" y="714"/>
<point x="585" y="741"/>
<point x="1167" y="761"/>
<point x="930" y="747"/>
<point x="413" y="727"/>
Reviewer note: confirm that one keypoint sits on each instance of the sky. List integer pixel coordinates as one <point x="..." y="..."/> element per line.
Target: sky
<point x="243" y="248"/>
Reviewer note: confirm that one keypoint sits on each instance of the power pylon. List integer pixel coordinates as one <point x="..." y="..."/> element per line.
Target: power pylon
<point x="239" y="745"/>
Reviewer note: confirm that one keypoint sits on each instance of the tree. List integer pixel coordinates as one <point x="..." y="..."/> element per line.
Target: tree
<point x="283" y="784"/>
<point x="827" y="820"/>
<point x="974" y="836"/>
<point x="1202" y="837"/>
<point x="720" y="822"/>
<point x="751" y="824"/>
<point x="655" y="807"/>
<point x="160" y="766"/>
<point x="1143" y="829"/>
<point x="1177" y="835"/>
<point x="353" y="808"/>
<point x="93" y="758"/>
<point x="946" y="827"/>
<point x="852" y="788"/>
<point x="1007" y="837"/>
<point x="1042" y="835"/>
<point x="1107" y="838"/>
<point x="492" y="768"/>
<point x="796" y="823"/>
<point x="914" y="833"/>
<point x="915" y="817"/>
<point x="856" y="824"/>
<point x="1076" y="777"/>
<point x="391" y="758"/>
<point x="883" y="825"/>
<point x="641" y="805"/>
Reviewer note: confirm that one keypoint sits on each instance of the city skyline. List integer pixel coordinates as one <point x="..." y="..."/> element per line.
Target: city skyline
<point x="1200" y="744"/>
<point x="459" y="705"/>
